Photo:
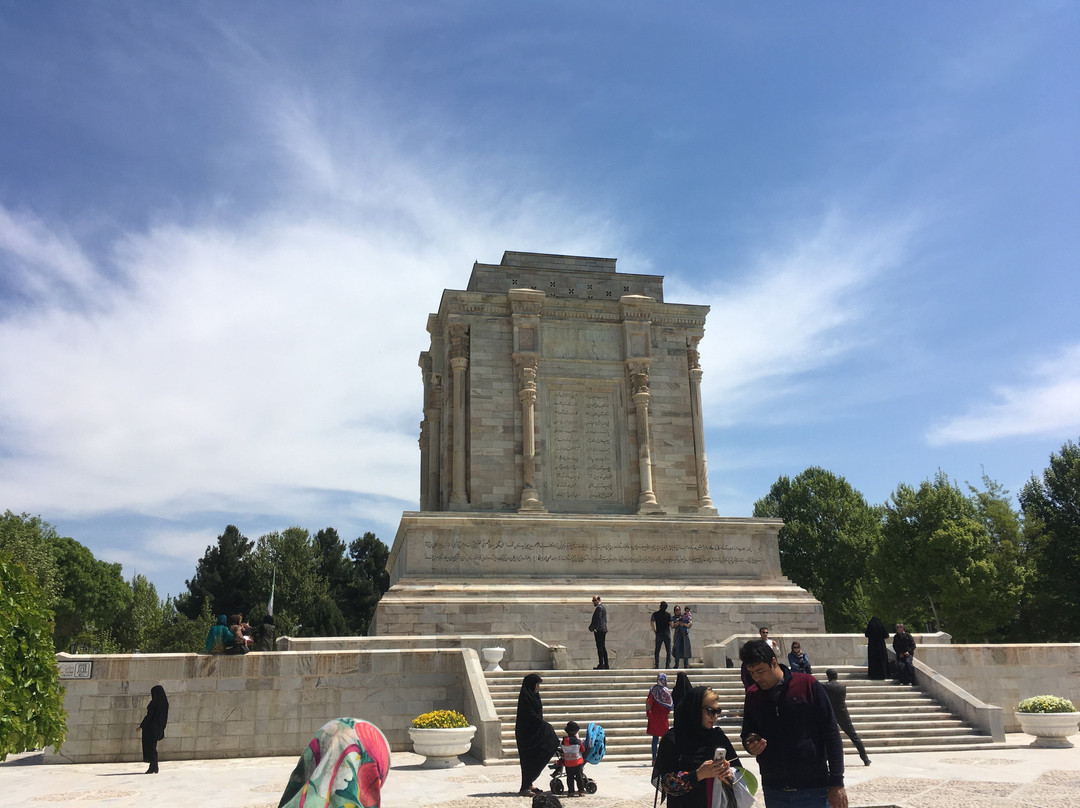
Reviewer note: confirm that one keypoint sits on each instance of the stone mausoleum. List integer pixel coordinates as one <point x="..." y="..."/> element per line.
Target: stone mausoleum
<point x="563" y="455"/>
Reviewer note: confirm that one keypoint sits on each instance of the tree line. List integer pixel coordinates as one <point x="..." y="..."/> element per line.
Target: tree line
<point x="937" y="555"/>
<point x="321" y="586"/>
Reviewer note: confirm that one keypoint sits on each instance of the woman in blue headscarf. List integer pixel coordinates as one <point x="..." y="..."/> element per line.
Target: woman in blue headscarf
<point x="219" y="638"/>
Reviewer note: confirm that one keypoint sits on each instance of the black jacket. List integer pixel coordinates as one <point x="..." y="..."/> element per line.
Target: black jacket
<point x="804" y="746"/>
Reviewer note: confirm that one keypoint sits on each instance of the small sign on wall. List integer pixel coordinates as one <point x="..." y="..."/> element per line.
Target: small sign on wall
<point x="76" y="670"/>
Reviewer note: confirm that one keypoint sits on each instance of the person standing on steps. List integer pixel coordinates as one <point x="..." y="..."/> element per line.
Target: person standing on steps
<point x="877" y="658"/>
<point x="598" y="627"/>
<point x="661" y="626"/>
<point x="838" y="697"/>
<point x="904" y="646"/>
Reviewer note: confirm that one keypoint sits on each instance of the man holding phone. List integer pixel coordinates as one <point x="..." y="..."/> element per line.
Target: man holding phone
<point x="790" y="727"/>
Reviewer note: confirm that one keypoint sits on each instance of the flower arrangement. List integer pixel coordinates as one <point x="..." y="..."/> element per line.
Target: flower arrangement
<point x="440" y="719"/>
<point x="1046" y="704"/>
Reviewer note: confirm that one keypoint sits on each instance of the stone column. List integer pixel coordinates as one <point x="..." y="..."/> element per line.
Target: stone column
<point x="459" y="363"/>
<point x="525" y="308"/>
<point x="530" y="498"/>
<point x="705" y="505"/>
<point x="639" y="384"/>
<point x="636" y="313"/>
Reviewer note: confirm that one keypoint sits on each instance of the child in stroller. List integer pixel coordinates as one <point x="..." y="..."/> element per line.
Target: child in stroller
<point x="571" y="757"/>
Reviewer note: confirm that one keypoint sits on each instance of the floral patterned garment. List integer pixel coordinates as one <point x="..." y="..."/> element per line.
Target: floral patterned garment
<point x="344" y="766"/>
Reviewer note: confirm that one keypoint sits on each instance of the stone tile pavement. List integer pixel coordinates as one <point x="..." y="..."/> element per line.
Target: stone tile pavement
<point x="1014" y="775"/>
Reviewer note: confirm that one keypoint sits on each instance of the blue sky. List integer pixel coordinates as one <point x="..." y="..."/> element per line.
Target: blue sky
<point x="222" y="226"/>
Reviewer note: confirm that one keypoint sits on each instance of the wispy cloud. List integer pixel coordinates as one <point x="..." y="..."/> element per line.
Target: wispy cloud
<point x="1048" y="404"/>
<point x="793" y="312"/>
<point x="256" y="364"/>
<point x="40" y="262"/>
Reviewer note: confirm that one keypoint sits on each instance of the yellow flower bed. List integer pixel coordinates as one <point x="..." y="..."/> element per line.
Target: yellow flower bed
<point x="440" y="719"/>
<point x="1046" y="704"/>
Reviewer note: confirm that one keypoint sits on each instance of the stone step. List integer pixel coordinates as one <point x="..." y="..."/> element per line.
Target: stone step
<point x="889" y="717"/>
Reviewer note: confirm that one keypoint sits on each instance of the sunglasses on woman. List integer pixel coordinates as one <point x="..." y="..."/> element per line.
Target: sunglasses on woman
<point x="714" y="711"/>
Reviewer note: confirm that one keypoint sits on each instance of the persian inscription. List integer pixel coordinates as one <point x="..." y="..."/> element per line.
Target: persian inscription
<point x="444" y="552"/>
<point x="584" y="460"/>
<point x="83" y="669"/>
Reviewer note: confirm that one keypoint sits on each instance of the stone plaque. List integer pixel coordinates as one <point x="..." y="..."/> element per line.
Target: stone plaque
<point x="584" y="452"/>
<point x="76" y="670"/>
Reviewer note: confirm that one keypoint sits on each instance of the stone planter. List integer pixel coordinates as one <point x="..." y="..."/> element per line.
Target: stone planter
<point x="1050" y="729"/>
<point x="441" y="747"/>
<point x="492" y="656"/>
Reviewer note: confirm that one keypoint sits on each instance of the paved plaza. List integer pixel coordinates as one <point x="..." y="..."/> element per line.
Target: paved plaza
<point x="1014" y="775"/>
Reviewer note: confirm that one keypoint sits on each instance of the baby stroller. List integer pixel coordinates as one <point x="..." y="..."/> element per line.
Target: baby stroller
<point x="594" y="753"/>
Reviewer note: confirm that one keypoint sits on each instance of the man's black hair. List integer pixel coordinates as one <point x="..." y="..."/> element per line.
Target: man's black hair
<point x="832" y="674"/>
<point x="663" y="605"/>
<point x="545" y="800"/>
<point x="756" y="652"/>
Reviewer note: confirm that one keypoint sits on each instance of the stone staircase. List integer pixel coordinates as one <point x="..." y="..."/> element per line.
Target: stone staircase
<point x="888" y="717"/>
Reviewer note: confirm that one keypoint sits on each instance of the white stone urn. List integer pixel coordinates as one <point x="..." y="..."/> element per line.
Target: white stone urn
<point x="1050" y="729"/>
<point x="441" y="747"/>
<point x="492" y="656"/>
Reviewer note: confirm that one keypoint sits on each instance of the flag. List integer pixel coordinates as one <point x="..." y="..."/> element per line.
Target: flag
<point x="270" y="605"/>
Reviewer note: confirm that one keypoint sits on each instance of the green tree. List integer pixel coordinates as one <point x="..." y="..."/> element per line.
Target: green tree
<point x="222" y="577"/>
<point x="301" y="594"/>
<point x="938" y="562"/>
<point x="370" y="580"/>
<point x="142" y="621"/>
<point x="28" y="540"/>
<point x="177" y="633"/>
<point x="93" y="597"/>
<point x="829" y="536"/>
<point x="1051" y="508"/>
<point x="32" y="707"/>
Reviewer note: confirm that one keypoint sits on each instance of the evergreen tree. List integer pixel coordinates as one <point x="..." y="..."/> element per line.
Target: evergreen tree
<point x="222" y="578"/>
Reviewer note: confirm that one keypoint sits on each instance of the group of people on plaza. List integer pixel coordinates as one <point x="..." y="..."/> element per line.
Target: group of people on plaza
<point x="234" y="636"/>
<point x="789" y="724"/>
<point x="662" y="623"/>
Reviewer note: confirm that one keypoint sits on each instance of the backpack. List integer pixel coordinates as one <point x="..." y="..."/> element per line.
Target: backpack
<point x="594" y="744"/>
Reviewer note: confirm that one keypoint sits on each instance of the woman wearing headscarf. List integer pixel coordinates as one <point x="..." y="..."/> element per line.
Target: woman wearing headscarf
<point x="658" y="707"/>
<point x="344" y="766"/>
<point x="877" y="657"/>
<point x="219" y="639"/>
<point x="687" y="764"/>
<point x="681" y="691"/>
<point x="152" y="727"/>
<point x="536" y="739"/>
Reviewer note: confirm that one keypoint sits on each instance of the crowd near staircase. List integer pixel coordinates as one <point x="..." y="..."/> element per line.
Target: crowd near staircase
<point x="888" y="717"/>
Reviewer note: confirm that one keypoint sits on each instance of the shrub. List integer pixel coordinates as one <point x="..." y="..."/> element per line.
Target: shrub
<point x="1046" y="704"/>
<point x="440" y="719"/>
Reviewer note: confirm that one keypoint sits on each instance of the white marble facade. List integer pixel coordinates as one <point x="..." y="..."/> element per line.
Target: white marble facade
<point x="562" y="451"/>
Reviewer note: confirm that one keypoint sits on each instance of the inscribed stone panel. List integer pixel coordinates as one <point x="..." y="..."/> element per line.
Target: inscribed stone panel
<point x="584" y="470"/>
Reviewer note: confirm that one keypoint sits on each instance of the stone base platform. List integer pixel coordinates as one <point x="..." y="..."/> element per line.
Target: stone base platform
<point x="504" y="574"/>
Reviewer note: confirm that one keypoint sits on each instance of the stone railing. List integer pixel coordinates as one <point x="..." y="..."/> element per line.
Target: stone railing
<point x="523" y="651"/>
<point x="822" y="649"/>
<point x="1006" y="674"/>
<point x="264" y="704"/>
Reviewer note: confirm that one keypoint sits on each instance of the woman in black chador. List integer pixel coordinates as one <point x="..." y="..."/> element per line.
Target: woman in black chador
<point x="536" y="739"/>
<point x="877" y="658"/>
<point x="153" y="726"/>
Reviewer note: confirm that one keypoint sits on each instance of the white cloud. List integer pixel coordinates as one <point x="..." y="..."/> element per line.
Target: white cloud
<point x="792" y="313"/>
<point x="250" y="366"/>
<point x="40" y="262"/>
<point x="1048" y="405"/>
